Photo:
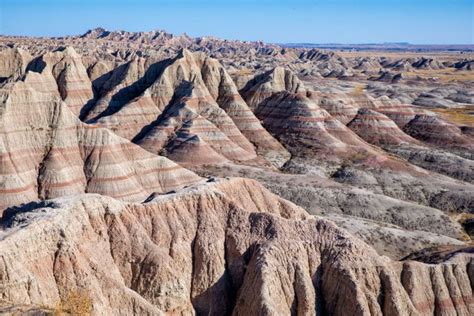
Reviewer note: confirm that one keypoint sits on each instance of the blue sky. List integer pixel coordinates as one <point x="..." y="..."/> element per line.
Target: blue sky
<point x="310" y="21"/>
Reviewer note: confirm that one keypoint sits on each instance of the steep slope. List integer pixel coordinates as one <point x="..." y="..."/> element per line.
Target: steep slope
<point x="280" y="101"/>
<point x="13" y="63"/>
<point x="367" y="155"/>
<point x="115" y="89"/>
<point x="342" y="107"/>
<point x="400" y="113"/>
<point x="209" y="92"/>
<point x="434" y="130"/>
<point x="299" y="122"/>
<point x="378" y="129"/>
<point x="229" y="247"/>
<point x="318" y="143"/>
<point x="224" y="91"/>
<point x="394" y="227"/>
<point x="73" y="83"/>
<point x="182" y="123"/>
<point x="47" y="152"/>
<point x="267" y="84"/>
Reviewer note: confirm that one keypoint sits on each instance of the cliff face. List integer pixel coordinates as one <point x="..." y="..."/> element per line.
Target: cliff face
<point x="180" y="106"/>
<point x="220" y="248"/>
<point x="47" y="152"/>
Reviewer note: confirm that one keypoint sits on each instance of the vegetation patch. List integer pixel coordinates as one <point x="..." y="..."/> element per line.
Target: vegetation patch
<point x="74" y="303"/>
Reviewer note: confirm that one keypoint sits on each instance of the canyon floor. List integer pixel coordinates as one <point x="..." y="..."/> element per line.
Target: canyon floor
<point x="147" y="173"/>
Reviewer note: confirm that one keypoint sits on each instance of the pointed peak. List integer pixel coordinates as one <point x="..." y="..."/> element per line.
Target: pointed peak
<point x="278" y="69"/>
<point x="281" y="71"/>
<point x="97" y="32"/>
<point x="65" y="51"/>
<point x="366" y="111"/>
<point x="190" y="55"/>
<point x="35" y="76"/>
<point x="428" y="117"/>
<point x="70" y="51"/>
<point x="184" y="53"/>
<point x="284" y="79"/>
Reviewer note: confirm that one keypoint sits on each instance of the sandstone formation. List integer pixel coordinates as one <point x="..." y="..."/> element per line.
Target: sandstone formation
<point x="13" y="63"/>
<point x="73" y="83"/>
<point x="378" y="129"/>
<point x="266" y="85"/>
<point x="434" y="130"/>
<point x="190" y="85"/>
<point x="393" y="227"/>
<point x="147" y="173"/>
<point x="230" y="247"/>
<point x="280" y="101"/>
<point x="341" y="107"/>
<point x="47" y="152"/>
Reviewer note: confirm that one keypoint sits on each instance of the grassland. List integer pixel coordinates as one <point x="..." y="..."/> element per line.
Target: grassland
<point x="459" y="116"/>
<point x="443" y="75"/>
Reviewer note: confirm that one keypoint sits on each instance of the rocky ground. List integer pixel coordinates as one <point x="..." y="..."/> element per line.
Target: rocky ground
<point x="126" y="161"/>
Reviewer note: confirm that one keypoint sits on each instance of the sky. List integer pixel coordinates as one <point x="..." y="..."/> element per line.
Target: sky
<point x="276" y="21"/>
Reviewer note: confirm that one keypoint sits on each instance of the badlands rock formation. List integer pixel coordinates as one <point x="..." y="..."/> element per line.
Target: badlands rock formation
<point x="13" y="63"/>
<point x="229" y="247"/>
<point x="48" y="152"/>
<point x="378" y="129"/>
<point x="125" y="161"/>
<point x="432" y="129"/>
<point x="203" y="112"/>
<point x="73" y="83"/>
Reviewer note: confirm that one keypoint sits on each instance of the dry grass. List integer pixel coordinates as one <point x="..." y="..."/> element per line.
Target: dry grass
<point x="381" y="53"/>
<point x="358" y="90"/>
<point x="243" y="72"/>
<point x="443" y="75"/>
<point x="75" y="303"/>
<point x="462" y="219"/>
<point x="458" y="116"/>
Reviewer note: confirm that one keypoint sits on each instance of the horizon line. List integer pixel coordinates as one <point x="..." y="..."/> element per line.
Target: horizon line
<point x="401" y="43"/>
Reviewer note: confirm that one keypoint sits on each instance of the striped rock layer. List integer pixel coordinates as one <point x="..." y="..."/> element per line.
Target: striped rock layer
<point x="401" y="114"/>
<point x="188" y="87"/>
<point x="224" y="91"/>
<point x="300" y="123"/>
<point x="70" y="75"/>
<point x="433" y="130"/>
<point x="342" y="108"/>
<point x="267" y="84"/>
<point x="225" y="248"/>
<point x="47" y="152"/>
<point x="292" y="116"/>
<point x="116" y="89"/>
<point x="130" y="99"/>
<point x="378" y="129"/>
